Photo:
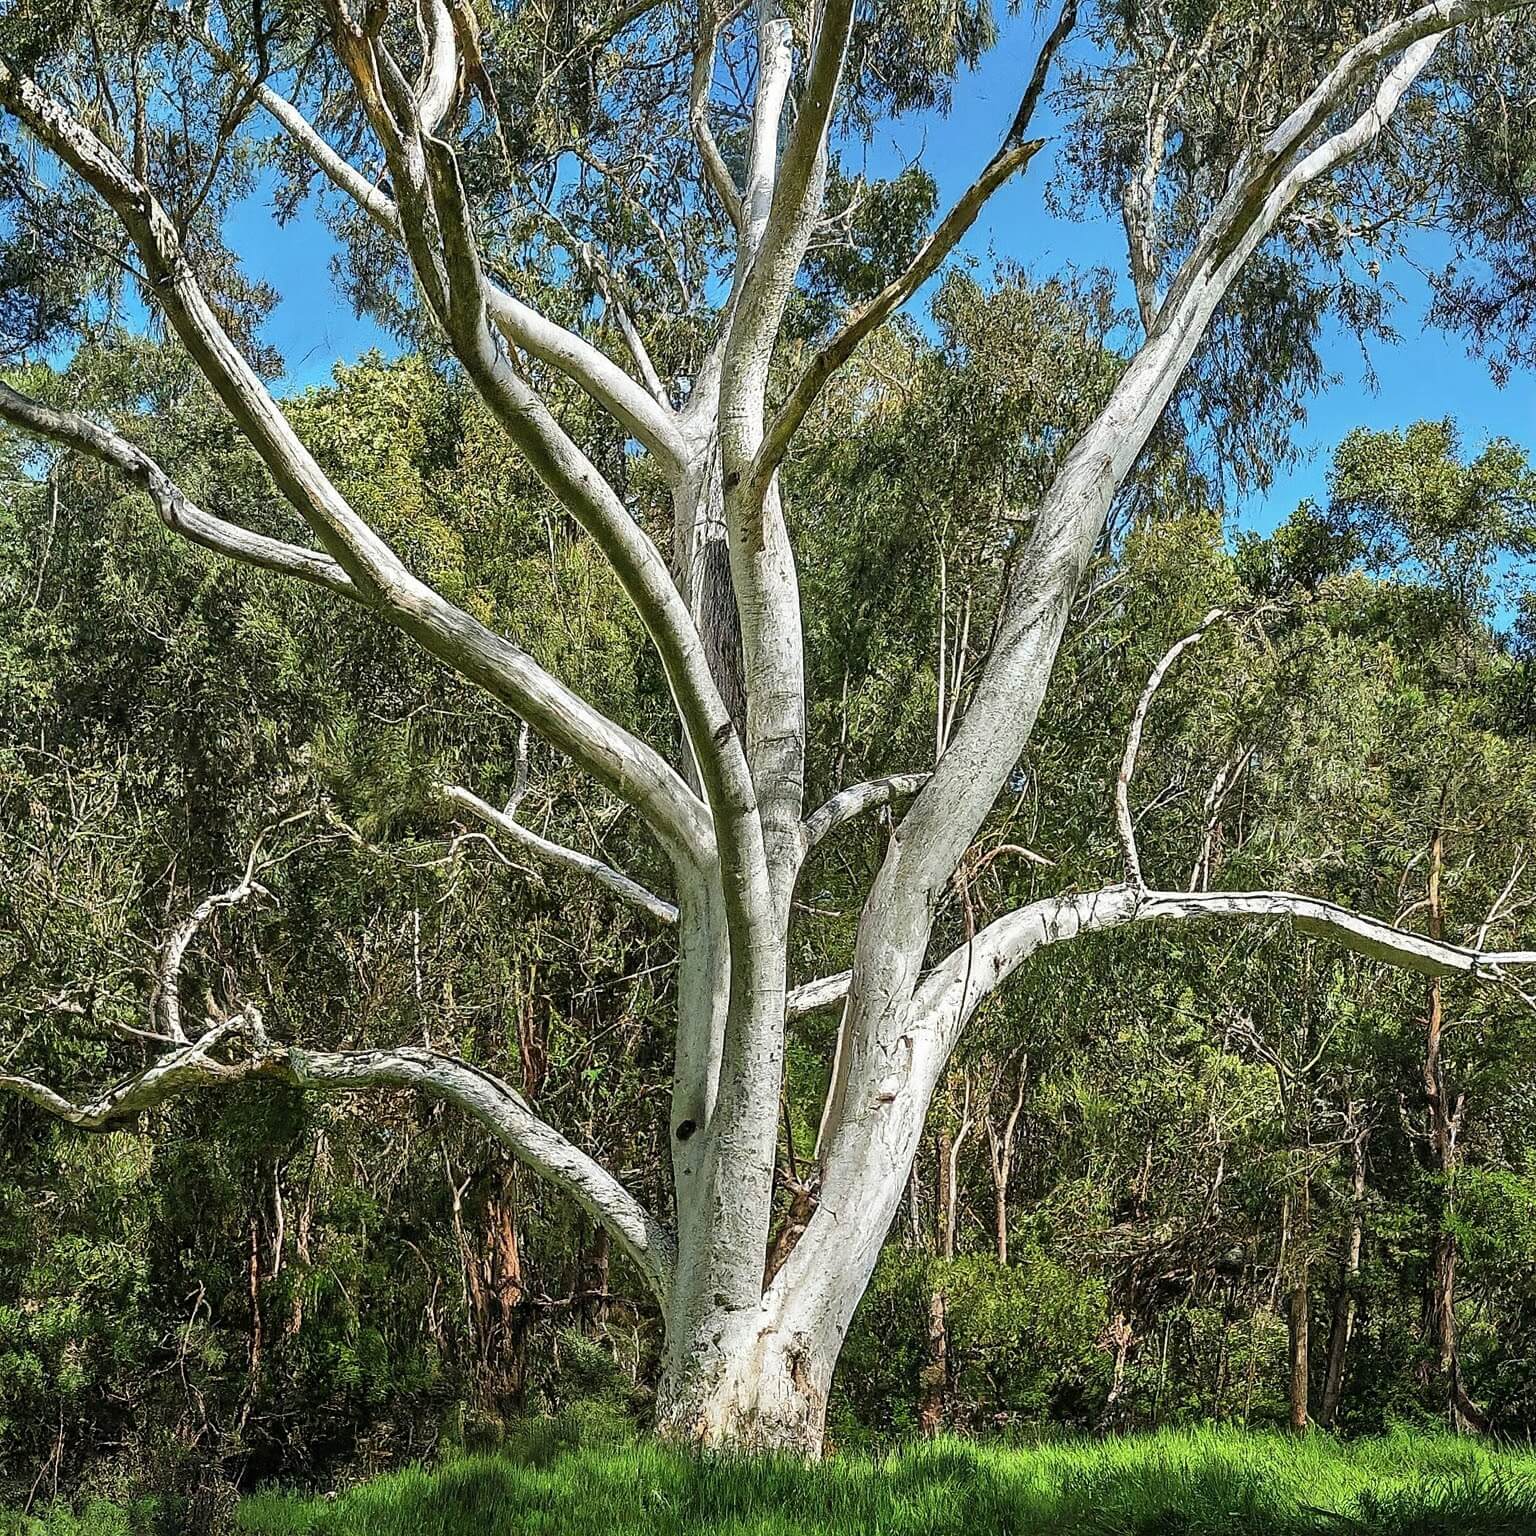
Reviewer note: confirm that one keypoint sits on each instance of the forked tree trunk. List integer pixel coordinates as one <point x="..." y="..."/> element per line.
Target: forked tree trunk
<point x="743" y="1367"/>
<point x="1000" y="1150"/>
<point x="1465" y="1415"/>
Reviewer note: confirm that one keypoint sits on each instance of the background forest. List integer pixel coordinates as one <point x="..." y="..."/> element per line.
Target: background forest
<point x="1304" y="1189"/>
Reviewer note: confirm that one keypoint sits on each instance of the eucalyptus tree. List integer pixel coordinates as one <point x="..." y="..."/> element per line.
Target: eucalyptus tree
<point x="680" y="160"/>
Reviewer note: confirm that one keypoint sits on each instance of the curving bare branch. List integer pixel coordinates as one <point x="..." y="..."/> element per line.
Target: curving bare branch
<point x="615" y="881"/>
<point x="618" y="759"/>
<point x="482" y="1095"/>
<point x="637" y="407"/>
<point x="1013" y="155"/>
<point x="1124" y="822"/>
<point x="504" y="1112"/>
<point x="856" y="799"/>
<point x="716" y="173"/>
<point x="168" y="992"/>
<point x="191" y="1065"/>
<point x="963" y="978"/>
<point x="177" y="511"/>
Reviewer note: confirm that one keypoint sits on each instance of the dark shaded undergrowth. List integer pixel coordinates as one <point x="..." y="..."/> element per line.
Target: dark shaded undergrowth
<point x="553" y="1479"/>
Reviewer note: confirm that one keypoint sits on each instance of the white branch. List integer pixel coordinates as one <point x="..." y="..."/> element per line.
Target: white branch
<point x="821" y="993"/>
<point x="169" y="994"/>
<point x="176" y="510"/>
<point x="1123" y="819"/>
<point x="782" y="202"/>
<point x="613" y="299"/>
<point x="335" y="167"/>
<point x="485" y="1097"/>
<point x="1515" y="870"/>
<point x="190" y="1065"/>
<point x="437" y="91"/>
<point x="506" y="1114"/>
<point x="637" y="408"/>
<point x="775" y="66"/>
<point x="856" y="799"/>
<point x="629" y="767"/>
<point x="569" y="859"/>
<point x="716" y="172"/>
<point x="1369" y="936"/>
<point x="641" y="413"/>
<point x="958" y="983"/>
<point x="365" y="556"/>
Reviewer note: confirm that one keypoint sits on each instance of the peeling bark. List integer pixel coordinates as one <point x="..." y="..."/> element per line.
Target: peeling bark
<point x="1298" y="1315"/>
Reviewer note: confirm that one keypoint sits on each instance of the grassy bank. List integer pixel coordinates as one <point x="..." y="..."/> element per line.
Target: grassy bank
<point x="1187" y="1483"/>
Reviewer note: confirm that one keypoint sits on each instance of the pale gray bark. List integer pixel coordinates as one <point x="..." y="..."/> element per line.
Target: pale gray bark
<point x="177" y="511"/>
<point x="1125" y="823"/>
<point x="631" y="769"/>
<point x="651" y="421"/>
<point x="854" y="801"/>
<point x="715" y="171"/>
<point x="209" y="1061"/>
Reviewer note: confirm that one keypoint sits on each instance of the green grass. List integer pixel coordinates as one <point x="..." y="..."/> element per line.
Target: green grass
<point x="557" y="1479"/>
<point x="1186" y="1483"/>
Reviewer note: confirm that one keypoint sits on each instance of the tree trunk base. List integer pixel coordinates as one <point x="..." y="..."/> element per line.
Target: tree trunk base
<point x="768" y="1397"/>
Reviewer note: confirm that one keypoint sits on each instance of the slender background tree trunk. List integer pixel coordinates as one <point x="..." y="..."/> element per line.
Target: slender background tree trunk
<point x="1445" y="1120"/>
<point x="1345" y="1301"/>
<point x="1299" y="1311"/>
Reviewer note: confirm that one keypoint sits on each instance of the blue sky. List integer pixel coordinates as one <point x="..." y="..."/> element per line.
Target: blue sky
<point x="313" y="325"/>
<point x="1427" y="374"/>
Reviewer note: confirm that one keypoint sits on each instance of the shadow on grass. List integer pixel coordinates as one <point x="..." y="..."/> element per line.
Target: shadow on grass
<point x="552" y="1481"/>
